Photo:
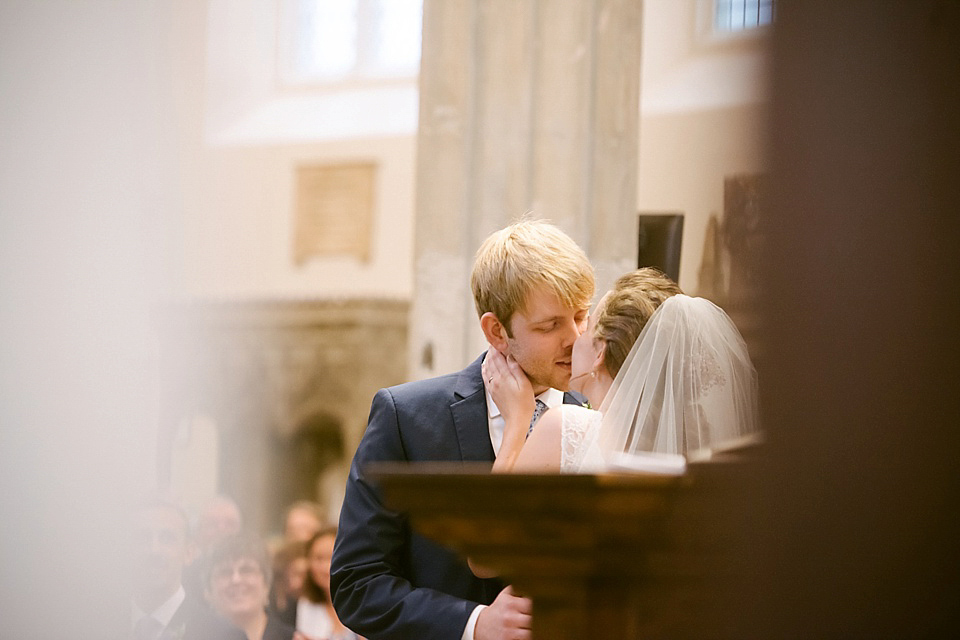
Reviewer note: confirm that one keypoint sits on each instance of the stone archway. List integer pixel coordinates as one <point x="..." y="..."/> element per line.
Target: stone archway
<point x="299" y="461"/>
<point x="288" y="385"/>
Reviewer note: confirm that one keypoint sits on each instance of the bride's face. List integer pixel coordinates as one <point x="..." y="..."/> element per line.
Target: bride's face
<point x="586" y="350"/>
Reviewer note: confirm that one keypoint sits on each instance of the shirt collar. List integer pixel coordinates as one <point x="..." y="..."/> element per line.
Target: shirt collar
<point x="164" y="613"/>
<point x="551" y="397"/>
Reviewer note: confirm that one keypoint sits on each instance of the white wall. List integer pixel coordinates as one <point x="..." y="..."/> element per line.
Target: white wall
<point x="684" y="158"/>
<point x="245" y="132"/>
<point x="245" y="135"/>
<point x="240" y="242"/>
<point x="703" y="117"/>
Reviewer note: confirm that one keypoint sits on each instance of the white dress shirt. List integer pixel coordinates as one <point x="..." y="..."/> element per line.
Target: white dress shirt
<point x="495" y="422"/>
<point x="551" y="397"/>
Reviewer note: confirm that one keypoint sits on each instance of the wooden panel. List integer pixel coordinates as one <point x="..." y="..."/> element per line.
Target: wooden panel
<point x="601" y="556"/>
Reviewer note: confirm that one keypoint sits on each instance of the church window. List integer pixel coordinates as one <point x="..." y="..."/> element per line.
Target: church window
<point x="351" y="41"/>
<point x="740" y="15"/>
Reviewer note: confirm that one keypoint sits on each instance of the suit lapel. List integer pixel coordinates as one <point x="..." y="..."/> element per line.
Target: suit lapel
<point x="469" y="411"/>
<point x="178" y="623"/>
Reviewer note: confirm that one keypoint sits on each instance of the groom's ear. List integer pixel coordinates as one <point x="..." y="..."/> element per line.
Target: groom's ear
<point x="494" y="331"/>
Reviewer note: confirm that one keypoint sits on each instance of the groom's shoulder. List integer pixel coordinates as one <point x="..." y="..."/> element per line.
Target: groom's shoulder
<point x="442" y="385"/>
<point x="427" y="386"/>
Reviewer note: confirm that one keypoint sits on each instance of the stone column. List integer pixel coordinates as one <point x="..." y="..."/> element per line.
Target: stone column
<point x="525" y="106"/>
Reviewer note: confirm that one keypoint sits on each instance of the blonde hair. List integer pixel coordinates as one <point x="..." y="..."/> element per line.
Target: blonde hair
<point x="626" y="310"/>
<point x="528" y="254"/>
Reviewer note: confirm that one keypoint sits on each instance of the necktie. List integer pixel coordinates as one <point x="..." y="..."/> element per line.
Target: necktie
<point x="541" y="407"/>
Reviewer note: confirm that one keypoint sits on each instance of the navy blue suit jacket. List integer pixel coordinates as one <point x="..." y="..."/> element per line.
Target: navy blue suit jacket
<point x="387" y="581"/>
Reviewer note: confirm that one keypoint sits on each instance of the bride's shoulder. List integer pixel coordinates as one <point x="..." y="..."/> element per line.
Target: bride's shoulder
<point x="566" y="414"/>
<point x="574" y="417"/>
<point x="577" y="412"/>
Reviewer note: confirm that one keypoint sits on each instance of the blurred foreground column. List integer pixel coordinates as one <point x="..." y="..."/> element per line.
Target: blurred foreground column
<point x="88" y="185"/>
<point x="526" y="105"/>
<point x="857" y="536"/>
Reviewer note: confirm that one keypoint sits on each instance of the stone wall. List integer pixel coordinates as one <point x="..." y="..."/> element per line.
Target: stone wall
<point x="288" y="385"/>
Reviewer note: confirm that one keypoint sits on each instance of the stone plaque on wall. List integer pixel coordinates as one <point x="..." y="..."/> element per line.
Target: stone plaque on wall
<point x="334" y="211"/>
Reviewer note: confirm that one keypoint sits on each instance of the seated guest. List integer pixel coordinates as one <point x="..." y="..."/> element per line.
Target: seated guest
<point x="160" y="607"/>
<point x="289" y="572"/>
<point x="303" y="519"/>
<point x="238" y="585"/>
<point x="219" y="519"/>
<point x="316" y="618"/>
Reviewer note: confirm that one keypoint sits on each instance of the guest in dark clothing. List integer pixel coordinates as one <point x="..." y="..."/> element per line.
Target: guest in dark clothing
<point x="302" y="520"/>
<point x="219" y="519"/>
<point x="160" y="608"/>
<point x="238" y="587"/>
<point x="289" y="572"/>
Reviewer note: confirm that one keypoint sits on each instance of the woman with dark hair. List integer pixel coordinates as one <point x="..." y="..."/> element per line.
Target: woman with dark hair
<point x="316" y="617"/>
<point x="237" y="587"/>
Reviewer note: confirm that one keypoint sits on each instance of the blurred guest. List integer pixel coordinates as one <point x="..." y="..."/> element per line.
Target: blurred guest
<point x="303" y="519"/>
<point x="238" y="588"/>
<point x="218" y="520"/>
<point x="316" y="618"/>
<point x="289" y="572"/>
<point x="161" y="548"/>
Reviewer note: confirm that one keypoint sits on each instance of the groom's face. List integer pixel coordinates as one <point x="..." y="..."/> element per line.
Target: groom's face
<point x="543" y="335"/>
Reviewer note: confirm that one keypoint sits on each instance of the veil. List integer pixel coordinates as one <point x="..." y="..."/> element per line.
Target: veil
<point x="687" y="388"/>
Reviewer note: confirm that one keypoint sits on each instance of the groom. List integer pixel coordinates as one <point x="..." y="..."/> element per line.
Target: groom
<point x="532" y="286"/>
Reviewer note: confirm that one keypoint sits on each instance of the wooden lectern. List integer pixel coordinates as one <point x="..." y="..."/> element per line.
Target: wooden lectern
<point x="601" y="556"/>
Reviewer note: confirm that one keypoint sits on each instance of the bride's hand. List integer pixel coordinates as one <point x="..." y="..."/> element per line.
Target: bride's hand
<point x="513" y="394"/>
<point x="509" y="387"/>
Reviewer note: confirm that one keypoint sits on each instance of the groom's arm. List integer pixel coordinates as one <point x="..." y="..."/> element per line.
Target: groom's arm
<point x="371" y="589"/>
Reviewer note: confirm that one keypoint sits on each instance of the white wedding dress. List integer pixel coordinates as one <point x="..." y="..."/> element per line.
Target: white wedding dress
<point x="576" y="422"/>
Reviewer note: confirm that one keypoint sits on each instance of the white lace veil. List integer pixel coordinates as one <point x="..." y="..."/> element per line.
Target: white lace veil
<point x="686" y="387"/>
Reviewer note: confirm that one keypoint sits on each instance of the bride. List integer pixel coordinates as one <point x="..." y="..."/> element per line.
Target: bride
<point x="669" y="373"/>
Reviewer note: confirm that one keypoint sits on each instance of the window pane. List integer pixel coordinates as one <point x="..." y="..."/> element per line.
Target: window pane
<point x="738" y="15"/>
<point x="397" y="36"/>
<point x="765" y="13"/>
<point x="327" y="37"/>
<point x="334" y="40"/>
